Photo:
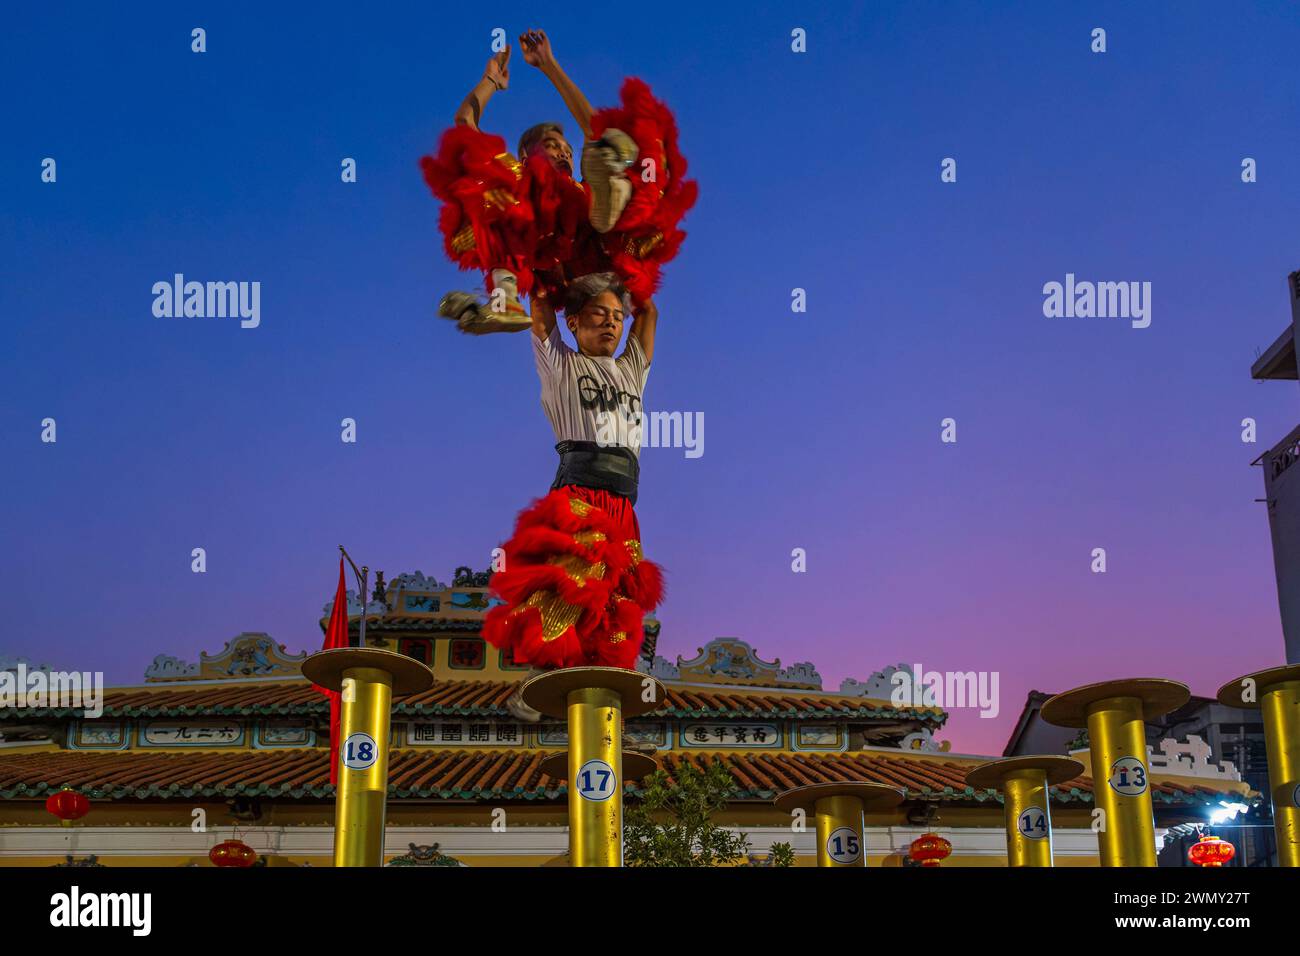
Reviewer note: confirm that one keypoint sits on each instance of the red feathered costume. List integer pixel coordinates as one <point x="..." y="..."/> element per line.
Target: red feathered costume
<point x="486" y="220"/>
<point x="531" y="218"/>
<point x="647" y="234"/>
<point x="575" y="584"/>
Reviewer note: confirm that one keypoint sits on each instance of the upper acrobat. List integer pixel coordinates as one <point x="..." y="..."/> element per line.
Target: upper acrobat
<point x="528" y="225"/>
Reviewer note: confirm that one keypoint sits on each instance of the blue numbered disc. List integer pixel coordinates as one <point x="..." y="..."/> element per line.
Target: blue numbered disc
<point x="844" y="845"/>
<point x="596" y="781"/>
<point x="359" y="751"/>
<point x="1295" y="797"/>
<point x="1032" y="823"/>
<point x="1128" y="776"/>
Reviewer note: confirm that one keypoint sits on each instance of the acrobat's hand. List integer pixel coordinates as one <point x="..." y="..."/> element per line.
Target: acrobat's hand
<point x="543" y="314"/>
<point x="646" y="310"/>
<point x="537" y="49"/>
<point x="497" y="70"/>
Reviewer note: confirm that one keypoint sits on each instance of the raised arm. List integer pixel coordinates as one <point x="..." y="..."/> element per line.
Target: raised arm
<point x="644" y="319"/>
<point x="538" y="53"/>
<point x="496" y="76"/>
<point x="542" y="314"/>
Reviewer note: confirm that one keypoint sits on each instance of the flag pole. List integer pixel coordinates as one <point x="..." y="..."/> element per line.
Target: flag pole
<point x="363" y="577"/>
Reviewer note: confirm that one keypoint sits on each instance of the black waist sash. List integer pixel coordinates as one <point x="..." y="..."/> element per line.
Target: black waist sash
<point x="606" y="468"/>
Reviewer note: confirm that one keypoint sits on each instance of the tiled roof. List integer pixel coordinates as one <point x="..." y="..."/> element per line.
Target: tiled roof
<point x="469" y="774"/>
<point x="468" y="698"/>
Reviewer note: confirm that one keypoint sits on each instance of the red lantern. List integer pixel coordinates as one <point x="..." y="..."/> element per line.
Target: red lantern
<point x="1211" y="851"/>
<point x="232" y="853"/>
<point x="929" y="848"/>
<point x="67" y="805"/>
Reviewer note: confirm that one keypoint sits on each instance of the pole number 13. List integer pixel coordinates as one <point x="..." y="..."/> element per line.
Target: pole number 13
<point x="1128" y="776"/>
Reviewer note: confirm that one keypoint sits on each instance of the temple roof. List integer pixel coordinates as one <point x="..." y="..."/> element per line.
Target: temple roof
<point x="476" y="775"/>
<point x="472" y="698"/>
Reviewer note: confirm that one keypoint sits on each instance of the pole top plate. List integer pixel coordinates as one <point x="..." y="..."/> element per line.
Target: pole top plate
<point x="636" y="766"/>
<point x="1055" y="769"/>
<point x="874" y="796"/>
<point x="549" y="692"/>
<point x="1230" y="693"/>
<point x="1157" y="696"/>
<point x="325" y="668"/>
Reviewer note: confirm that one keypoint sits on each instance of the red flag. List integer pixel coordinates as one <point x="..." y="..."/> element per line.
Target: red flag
<point x="336" y="635"/>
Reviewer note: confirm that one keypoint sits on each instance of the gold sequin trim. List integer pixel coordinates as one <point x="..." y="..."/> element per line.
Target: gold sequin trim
<point x="498" y="198"/>
<point x="557" y="614"/>
<point x="588" y="538"/>
<point x="580" y="507"/>
<point x="618" y="637"/>
<point x="463" y="241"/>
<point x="634" y="548"/>
<point x="578" y="569"/>
<point x="643" y="247"/>
<point x="509" y="162"/>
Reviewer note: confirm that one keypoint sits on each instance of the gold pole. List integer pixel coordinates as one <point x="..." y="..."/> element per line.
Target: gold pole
<point x="361" y="801"/>
<point x="839" y="831"/>
<point x="594" y="701"/>
<point x="839" y="810"/>
<point x="1115" y="713"/>
<point x="1276" y="692"/>
<point x="1281" y="706"/>
<point x="1027" y="811"/>
<point x="1118" y="741"/>
<point x="595" y="772"/>
<point x="1029" y="819"/>
<point x="367" y="679"/>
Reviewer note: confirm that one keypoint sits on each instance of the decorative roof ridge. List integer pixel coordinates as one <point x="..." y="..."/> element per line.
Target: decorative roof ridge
<point x="751" y="690"/>
<point x="182" y="705"/>
<point x="204" y="682"/>
<point x="878" y="702"/>
<point x="931" y="754"/>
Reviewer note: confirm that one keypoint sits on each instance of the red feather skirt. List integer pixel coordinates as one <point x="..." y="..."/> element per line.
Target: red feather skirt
<point x="531" y="218"/>
<point x="575" y="586"/>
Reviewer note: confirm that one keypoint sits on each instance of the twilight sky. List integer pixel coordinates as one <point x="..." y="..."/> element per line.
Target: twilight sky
<point x="822" y="430"/>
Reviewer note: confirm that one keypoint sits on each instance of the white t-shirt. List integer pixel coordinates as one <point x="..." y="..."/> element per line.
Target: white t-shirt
<point x="592" y="398"/>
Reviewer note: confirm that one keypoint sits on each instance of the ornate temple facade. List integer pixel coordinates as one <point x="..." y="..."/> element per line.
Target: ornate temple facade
<point x="237" y="745"/>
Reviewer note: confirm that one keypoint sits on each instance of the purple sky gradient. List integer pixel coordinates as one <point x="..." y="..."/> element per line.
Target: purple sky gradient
<point x="818" y="171"/>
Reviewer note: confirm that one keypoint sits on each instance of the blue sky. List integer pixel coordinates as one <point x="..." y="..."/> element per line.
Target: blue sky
<point x="818" y="171"/>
